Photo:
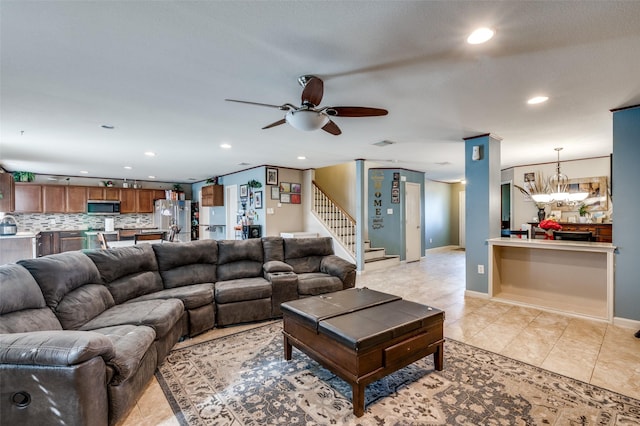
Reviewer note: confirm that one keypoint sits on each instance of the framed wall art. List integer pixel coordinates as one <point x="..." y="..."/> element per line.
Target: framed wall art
<point x="258" y="199"/>
<point x="272" y="176"/>
<point x="275" y="192"/>
<point x="244" y="191"/>
<point x="285" y="198"/>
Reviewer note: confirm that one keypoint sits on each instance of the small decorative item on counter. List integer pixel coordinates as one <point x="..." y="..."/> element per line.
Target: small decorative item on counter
<point x="108" y="183"/>
<point x="213" y="180"/>
<point x="125" y="184"/>
<point x="549" y="225"/>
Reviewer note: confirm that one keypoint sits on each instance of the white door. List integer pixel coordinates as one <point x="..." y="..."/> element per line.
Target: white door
<point x="231" y="208"/>
<point x="413" y="230"/>
<point x="461" y="219"/>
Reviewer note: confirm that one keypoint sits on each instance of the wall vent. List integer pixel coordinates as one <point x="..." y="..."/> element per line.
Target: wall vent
<point x="384" y="143"/>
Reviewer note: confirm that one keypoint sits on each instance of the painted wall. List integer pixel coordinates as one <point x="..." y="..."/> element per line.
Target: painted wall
<point x="274" y="217"/>
<point x="386" y="220"/>
<point x="339" y="182"/>
<point x="437" y="214"/>
<point x="454" y="212"/>
<point x="482" y="208"/>
<point x="626" y="174"/>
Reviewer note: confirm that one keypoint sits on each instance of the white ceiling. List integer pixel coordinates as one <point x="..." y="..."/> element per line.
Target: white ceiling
<point x="159" y="72"/>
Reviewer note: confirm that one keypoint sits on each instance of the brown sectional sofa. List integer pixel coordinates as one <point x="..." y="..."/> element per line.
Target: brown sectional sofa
<point x="83" y="332"/>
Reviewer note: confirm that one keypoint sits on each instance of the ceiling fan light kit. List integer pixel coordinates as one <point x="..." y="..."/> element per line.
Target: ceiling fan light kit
<point x="308" y="116"/>
<point x="306" y="119"/>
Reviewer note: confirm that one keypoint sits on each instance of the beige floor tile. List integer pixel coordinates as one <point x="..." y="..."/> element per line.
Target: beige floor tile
<point x="619" y="375"/>
<point x="531" y="346"/>
<point x="572" y="358"/>
<point x="495" y="337"/>
<point x="586" y="331"/>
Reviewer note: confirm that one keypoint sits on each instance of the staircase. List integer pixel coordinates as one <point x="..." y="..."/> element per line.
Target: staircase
<point x="377" y="258"/>
<point x="343" y="229"/>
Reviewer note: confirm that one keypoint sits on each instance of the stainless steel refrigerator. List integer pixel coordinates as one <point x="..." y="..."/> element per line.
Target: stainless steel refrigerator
<point x="173" y="214"/>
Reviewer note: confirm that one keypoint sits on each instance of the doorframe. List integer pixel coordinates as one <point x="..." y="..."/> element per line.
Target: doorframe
<point x="407" y="230"/>
<point x="462" y="223"/>
<point x="231" y="209"/>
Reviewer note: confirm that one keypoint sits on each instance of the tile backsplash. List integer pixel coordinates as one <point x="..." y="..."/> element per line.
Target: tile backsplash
<point x="37" y="222"/>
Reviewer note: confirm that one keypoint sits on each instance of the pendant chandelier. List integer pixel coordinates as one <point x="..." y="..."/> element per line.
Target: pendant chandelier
<point x="557" y="190"/>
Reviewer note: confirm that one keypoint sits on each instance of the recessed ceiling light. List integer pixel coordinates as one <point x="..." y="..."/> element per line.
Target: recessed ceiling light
<point x="225" y="146"/>
<point x="537" y="100"/>
<point x="108" y="126"/>
<point x="481" y="35"/>
<point x="127" y="167"/>
<point x="150" y="154"/>
<point x="301" y="157"/>
<point x="152" y="177"/>
<point x="84" y="172"/>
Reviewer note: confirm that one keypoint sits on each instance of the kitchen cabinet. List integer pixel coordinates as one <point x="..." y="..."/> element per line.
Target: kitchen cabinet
<point x="53" y="199"/>
<point x="144" y="200"/>
<point x="95" y="193"/>
<point x="601" y="232"/>
<point x="70" y="241"/>
<point x="44" y="243"/>
<point x="28" y="198"/>
<point x="159" y="194"/>
<point x="7" y="202"/>
<point x="212" y="195"/>
<point x="128" y="200"/>
<point x="76" y="199"/>
<point x="112" y="194"/>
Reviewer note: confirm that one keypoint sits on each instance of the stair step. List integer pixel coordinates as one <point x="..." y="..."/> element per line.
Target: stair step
<point x="374" y="253"/>
<point x="381" y="263"/>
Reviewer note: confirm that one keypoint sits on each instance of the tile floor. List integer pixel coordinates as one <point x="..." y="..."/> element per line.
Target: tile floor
<point x="591" y="351"/>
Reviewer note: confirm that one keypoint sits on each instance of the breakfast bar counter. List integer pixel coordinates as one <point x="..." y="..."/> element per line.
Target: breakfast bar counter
<point x="568" y="276"/>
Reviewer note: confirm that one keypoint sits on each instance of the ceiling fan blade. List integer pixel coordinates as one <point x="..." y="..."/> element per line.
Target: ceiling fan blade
<point x="277" y="123"/>
<point x="351" y="111"/>
<point x="332" y="128"/>
<point x="284" y="107"/>
<point x="312" y="92"/>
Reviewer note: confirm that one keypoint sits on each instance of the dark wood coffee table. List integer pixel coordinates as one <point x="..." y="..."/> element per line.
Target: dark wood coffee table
<point x="362" y="335"/>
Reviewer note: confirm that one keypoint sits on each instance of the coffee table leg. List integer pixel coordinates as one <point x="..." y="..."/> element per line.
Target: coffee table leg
<point x="438" y="357"/>
<point x="287" y="348"/>
<point x="357" y="390"/>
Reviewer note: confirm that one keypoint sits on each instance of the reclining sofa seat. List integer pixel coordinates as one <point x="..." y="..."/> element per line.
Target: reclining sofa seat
<point x="77" y="372"/>
<point x="319" y="270"/>
<point x="242" y="294"/>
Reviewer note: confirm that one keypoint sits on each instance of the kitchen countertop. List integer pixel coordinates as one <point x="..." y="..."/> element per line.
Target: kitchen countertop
<point x="20" y="235"/>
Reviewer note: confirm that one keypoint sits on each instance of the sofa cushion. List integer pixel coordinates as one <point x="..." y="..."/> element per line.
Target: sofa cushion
<point x="192" y="296"/>
<point x="277" y="266"/>
<point x="273" y="248"/>
<point x="58" y="274"/>
<point x="130" y="342"/>
<point x="305" y="254"/>
<point x="187" y="263"/>
<point x="22" y="306"/>
<point x="239" y="259"/>
<point x="127" y="272"/>
<point x="82" y="305"/>
<point x="161" y="315"/>
<point x="313" y="284"/>
<point x="242" y="289"/>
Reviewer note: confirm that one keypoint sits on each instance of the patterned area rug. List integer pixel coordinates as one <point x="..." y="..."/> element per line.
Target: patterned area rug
<point x="242" y="379"/>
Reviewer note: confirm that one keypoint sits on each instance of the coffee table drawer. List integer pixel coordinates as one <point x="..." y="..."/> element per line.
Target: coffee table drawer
<point x="408" y="348"/>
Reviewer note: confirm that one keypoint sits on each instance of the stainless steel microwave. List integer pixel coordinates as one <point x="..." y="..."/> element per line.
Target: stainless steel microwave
<point x="103" y="207"/>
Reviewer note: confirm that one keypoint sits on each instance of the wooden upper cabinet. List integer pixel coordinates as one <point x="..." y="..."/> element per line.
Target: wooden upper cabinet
<point x="212" y="195"/>
<point x="54" y="199"/>
<point x="76" y="199"/>
<point x="28" y="198"/>
<point x="145" y="200"/>
<point x="159" y="194"/>
<point x="127" y="200"/>
<point x="95" y="193"/>
<point x="7" y="202"/>
<point x="112" y="194"/>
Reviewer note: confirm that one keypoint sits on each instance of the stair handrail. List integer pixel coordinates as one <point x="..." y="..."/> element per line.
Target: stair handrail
<point x="346" y="239"/>
<point x="334" y="202"/>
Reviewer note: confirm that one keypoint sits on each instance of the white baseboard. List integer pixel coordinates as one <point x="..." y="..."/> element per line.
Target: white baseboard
<point x="626" y="323"/>
<point x="476" y="294"/>
<point x="442" y="248"/>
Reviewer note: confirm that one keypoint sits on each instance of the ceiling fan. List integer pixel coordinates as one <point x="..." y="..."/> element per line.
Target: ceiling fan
<point x="308" y="116"/>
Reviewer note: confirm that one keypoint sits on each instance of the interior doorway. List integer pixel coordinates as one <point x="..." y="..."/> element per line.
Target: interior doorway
<point x="506" y="206"/>
<point x="413" y="228"/>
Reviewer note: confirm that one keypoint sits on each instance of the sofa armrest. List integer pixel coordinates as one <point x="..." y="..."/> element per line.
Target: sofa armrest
<point x="276" y="266"/>
<point x="284" y="287"/>
<point x="338" y="267"/>
<point x="54" y="348"/>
